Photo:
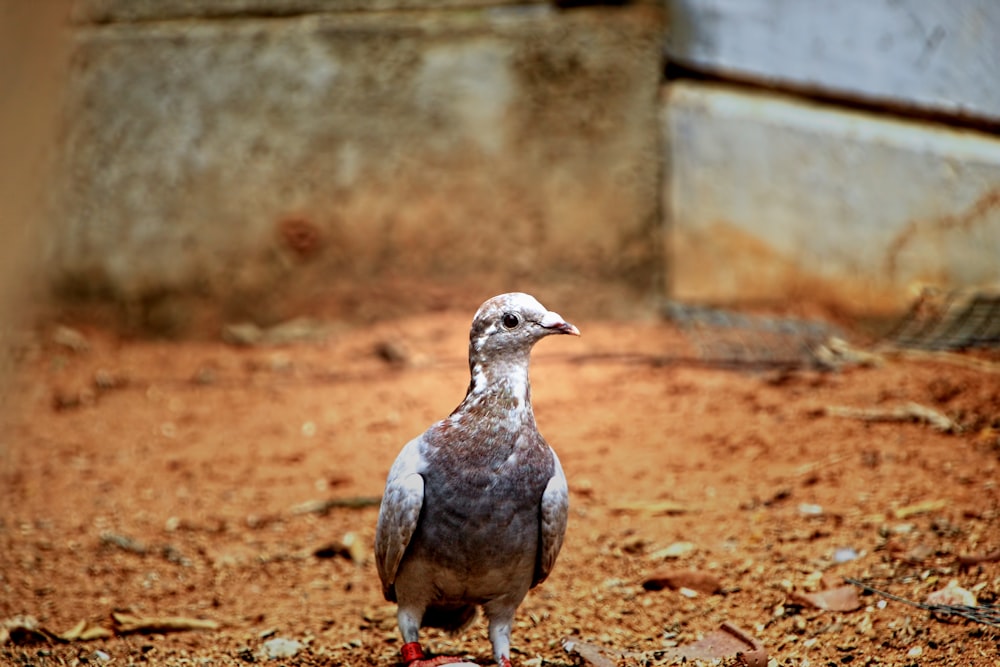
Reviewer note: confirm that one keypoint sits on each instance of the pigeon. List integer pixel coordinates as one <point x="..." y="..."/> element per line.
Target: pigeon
<point x="474" y="510"/>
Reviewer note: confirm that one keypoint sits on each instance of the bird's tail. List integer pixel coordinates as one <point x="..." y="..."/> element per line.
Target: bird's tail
<point x="450" y="619"/>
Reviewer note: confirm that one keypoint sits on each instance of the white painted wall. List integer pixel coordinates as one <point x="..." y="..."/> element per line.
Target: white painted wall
<point x="942" y="56"/>
<point x="769" y="195"/>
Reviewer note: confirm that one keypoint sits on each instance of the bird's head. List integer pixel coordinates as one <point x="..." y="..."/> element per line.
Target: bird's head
<point x="503" y="332"/>
<point x="512" y="323"/>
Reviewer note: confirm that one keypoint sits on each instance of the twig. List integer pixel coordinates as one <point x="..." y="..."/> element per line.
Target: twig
<point x="816" y="466"/>
<point x="970" y="560"/>
<point x="324" y="506"/>
<point x="985" y="614"/>
<point x="946" y="357"/>
<point x="127" y="623"/>
<point x="904" y="413"/>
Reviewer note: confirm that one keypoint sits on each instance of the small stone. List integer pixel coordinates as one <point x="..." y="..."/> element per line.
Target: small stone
<point x="71" y="339"/>
<point x="279" y="647"/>
<point x="952" y="595"/>
<point x="844" y="554"/>
<point x="393" y="352"/>
<point x="634" y="544"/>
<point x="66" y="400"/>
<point x="809" y="509"/>
<point x="349" y="547"/>
<point x="205" y="375"/>
<point x="243" y="333"/>
<point x="280" y="362"/>
<point x="674" y="551"/>
<point x="105" y="380"/>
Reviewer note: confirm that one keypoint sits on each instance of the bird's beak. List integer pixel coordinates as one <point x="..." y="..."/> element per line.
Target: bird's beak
<point x="556" y="324"/>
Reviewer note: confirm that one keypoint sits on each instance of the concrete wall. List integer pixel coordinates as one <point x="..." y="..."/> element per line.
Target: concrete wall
<point x="769" y="194"/>
<point x="265" y="162"/>
<point x="772" y="196"/>
<point x="260" y="157"/>
<point x="919" y="54"/>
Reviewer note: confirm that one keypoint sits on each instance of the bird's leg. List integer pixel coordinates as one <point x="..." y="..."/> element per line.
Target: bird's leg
<point x="413" y="654"/>
<point x="501" y="621"/>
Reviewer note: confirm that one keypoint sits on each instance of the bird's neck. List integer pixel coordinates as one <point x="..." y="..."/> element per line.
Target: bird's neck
<point x="499" y="391"/>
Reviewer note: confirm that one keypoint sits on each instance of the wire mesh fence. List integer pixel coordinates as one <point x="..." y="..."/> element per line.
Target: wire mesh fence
<point x="948" y="321"/>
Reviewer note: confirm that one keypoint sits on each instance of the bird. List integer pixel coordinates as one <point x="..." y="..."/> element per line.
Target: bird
<point x="475" y="509"/>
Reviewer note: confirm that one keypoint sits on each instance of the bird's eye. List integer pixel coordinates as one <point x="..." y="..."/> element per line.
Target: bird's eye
<point x="510" y="320"/>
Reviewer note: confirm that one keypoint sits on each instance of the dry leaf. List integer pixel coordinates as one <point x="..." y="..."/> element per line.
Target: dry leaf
<point x="967" y="560"/>
<point x="923" y="507"/>
<point x="674" y="551"/>
<point x="84" y="631"/>
<point x="841" y="598"/>
<point x="74" y="632"/>
<point x="904" y="413"/>
<point x="349" y="547"/>
<point x="23" y="630"/>
<point x="127" y="623"/>
<point x="952" y="595"/>
<point x="654" y="508"/>
<point x="918" y="553"/>
<point x="324" y="506"/>
<point x="724" y="644"/>
<point x="695" y="580"/>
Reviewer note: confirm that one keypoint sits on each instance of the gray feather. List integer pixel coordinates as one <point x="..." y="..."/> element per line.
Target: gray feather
<point x="475" y="508"/>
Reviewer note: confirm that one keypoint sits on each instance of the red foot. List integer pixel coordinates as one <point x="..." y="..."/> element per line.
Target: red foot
<point x="413" y="656"/>
<point x="505" y="662"/>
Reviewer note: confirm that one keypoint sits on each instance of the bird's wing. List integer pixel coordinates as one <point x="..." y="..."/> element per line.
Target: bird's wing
<point x="399" y="514"/>
<point x="554" y="512"/>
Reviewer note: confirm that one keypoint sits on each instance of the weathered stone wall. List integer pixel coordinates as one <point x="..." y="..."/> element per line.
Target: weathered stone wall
<point x="920" y="55"/>
<point x="263" y="158"/>
<point x="264" y="162"/>
<point x="856" y="160"/>
<point x="772" y="196"/>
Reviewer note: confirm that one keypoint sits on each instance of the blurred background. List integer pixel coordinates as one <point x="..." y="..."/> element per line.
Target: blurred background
<point x="169" y="166"/>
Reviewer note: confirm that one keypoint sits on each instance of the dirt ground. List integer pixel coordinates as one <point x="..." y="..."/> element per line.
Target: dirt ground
<point x="188" y="479"/>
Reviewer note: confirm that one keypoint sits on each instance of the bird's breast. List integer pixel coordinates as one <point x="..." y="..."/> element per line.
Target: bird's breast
<point x="482" y="512"/>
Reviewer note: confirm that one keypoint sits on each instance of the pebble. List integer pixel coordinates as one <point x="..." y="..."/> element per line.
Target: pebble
<point x="810" y="509"/>
<point x="952" y="595"/>
<point x="70" y="339"/>
<point x="279" y="647"/>
<point x="844" y="555"/>
<point x="673" y="551"/>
